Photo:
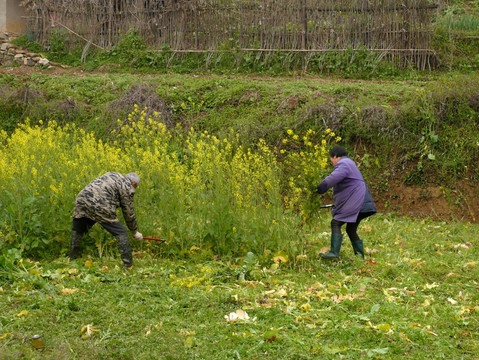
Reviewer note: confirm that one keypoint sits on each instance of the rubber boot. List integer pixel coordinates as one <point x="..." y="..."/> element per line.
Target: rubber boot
<point x="358" y="247"/>
<point x="125" y="251"/>
<point x="75" y="245"/>
<point x="336" y="240"/>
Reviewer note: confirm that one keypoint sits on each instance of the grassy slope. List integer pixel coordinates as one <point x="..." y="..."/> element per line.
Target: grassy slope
<point x="395" y="120"/>
<point x="416" y="296"/>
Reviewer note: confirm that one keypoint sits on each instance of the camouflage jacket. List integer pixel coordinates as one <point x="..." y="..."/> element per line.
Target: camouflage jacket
<point x="99" y="200"/>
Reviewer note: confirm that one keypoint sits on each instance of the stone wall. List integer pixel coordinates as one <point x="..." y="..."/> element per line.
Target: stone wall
<point x="12" y="55"/>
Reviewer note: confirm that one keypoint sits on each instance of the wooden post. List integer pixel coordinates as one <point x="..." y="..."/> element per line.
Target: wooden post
<point x="196" y="25"/>
<point x="261" y="26"/>
<point x="305" y="24"/>
<point x="304" y="33"/>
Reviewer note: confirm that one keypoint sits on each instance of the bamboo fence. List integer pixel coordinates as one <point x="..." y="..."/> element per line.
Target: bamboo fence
<point x="400" y="29"/>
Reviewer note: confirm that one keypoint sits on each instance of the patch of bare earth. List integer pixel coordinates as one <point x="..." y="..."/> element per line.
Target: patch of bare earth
<point x="432" y="201"/>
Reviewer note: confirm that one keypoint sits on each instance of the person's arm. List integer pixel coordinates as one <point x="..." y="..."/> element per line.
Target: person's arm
<point x="126" y="203"/>
<point x="339" y="173"/>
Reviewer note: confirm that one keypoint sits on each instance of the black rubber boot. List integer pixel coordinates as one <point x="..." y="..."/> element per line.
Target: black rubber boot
<point x="75" y="245"/>
<point x="125" y="251"/>
<point x="336" y="240"/>
<point x="358" y="247"/>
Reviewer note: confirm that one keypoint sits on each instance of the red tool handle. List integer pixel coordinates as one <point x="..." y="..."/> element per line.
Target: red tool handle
<point x="154" y="239"/>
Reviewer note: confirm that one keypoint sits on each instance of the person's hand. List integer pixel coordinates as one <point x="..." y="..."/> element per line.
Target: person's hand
<point x="137" y="236"/>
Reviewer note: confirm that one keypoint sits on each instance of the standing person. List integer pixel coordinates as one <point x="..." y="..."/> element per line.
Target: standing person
<point x="97" y="203"/>
<point x="352" y="201"/>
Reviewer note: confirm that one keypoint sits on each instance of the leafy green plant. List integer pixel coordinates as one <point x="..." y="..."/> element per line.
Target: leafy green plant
<point x="25" y="42"/>
<point x="130" y="50"/>
<point x="23" y="219"/>
<point x="57" y="44"/>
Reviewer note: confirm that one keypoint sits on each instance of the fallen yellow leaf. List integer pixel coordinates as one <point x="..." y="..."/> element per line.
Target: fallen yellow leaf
<point x="305" y="307"/>
<point x="279" y="258"/>
<point x="404" y="337"/>
<point x="385" y="327"/>
<point x="66" y="291"/>
<point x="426" y="303"/>
<point x="87" y="331"/>
<point x="238" y="315"/>
<point x="190" y="342"/>
<point x="34" y="272"/>
<point x="187" y="333"/>
<point x="22" y="313"/>
<point x="367" y="228"/>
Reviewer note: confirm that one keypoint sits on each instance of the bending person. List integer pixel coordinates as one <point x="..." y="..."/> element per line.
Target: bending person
<point x="352" y="201"/>
<point x="98" y="202"/>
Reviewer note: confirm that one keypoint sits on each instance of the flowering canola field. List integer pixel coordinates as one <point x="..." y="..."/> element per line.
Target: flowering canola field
<point x="197" y="191"/>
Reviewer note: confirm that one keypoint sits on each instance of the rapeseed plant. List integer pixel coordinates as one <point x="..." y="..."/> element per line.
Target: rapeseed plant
<point x="197" y="190"/>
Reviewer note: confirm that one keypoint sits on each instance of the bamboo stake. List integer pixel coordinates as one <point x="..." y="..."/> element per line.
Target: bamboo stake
<point x="297" y="50"/>
<point x="81" y="37"/>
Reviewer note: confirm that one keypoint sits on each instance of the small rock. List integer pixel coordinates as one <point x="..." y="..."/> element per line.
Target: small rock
<point x="28" y="61"/>
<point x="18" y="58"/>
<point x="7" y="61"/>
<point x="44" y="62"/>
<point x="5" y="46"/>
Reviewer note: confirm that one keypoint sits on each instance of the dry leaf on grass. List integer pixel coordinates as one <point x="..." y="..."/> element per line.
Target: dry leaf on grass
<point x="22" y="313"/>
<point x="238" y="315"/>
<point x="87" y="331"/>
<point x="66" y="291"/>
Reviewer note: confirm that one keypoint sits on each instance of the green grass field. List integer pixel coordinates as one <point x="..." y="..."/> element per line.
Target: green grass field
<point x="415" y="296"/>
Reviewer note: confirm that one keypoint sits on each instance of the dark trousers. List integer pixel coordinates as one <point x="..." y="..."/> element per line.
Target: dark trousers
<point x="83" y="225"/>
<point x="351" y="228"/>
<point x="117" y="229"/>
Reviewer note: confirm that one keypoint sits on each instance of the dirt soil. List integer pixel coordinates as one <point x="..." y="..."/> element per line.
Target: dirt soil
<point x="431" y="201"/>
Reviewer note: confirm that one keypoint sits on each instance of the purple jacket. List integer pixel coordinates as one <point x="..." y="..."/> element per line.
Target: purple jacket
<point x="350" y="192"/>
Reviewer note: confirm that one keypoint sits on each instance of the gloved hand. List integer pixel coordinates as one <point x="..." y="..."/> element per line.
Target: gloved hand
<point x="137" y="236"/>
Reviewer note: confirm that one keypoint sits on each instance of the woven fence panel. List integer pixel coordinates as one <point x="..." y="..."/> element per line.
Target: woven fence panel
<point x="397" y="27"/>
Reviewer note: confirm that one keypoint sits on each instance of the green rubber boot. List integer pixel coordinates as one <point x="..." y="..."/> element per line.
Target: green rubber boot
<point x="336" y="240"/>
<point x="358" y="247"/>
